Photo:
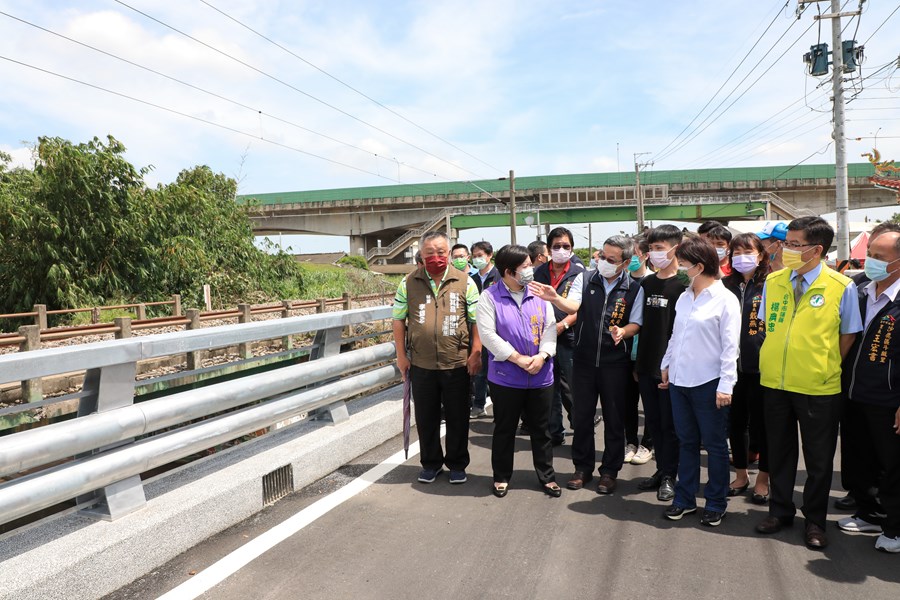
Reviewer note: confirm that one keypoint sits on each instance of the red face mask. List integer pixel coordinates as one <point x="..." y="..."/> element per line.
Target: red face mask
<point x="436" y="265"/>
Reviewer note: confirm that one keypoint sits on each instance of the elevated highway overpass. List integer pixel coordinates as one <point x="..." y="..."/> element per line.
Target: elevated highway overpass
<point x="384" y="221"/>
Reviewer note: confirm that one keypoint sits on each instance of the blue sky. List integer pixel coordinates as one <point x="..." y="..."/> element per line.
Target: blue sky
<point x="537" y="86"/>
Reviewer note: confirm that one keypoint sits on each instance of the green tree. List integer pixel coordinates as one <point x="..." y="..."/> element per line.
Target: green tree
<point x="82" y="228"/>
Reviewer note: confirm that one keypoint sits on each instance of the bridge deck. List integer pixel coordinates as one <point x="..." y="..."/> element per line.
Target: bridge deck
<point x="401" y="539"/>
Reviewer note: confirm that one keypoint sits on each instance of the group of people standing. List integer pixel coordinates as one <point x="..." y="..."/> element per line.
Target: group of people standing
<point x="726" y="341"/>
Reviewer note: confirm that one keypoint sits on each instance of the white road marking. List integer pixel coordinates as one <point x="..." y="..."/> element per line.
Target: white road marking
<point x="232" y="563"/>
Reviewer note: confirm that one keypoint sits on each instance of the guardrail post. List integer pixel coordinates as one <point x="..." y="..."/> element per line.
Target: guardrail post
<point x="95" y="315"/>
<point x="141" y="312"/>
<point x="244" y="317"/>
<point x="124" y="325"/>
<point x="193" y="358"/>
<point x="32" y="389"/>
<point x="327" y="342"/>
<point x="176" y="305"/>
<point x="41" y="318"/>
<point x="108" y="388"/>
<point x="348" y="304"/>
<point x="287" y="343"/>
<point x="320" y="306"/>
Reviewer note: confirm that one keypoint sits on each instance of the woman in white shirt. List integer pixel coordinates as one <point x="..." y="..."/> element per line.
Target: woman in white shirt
<point x="700" y="370"/>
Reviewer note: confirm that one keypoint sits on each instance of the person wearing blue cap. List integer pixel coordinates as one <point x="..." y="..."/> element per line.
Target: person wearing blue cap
<point x="772" y="236"/>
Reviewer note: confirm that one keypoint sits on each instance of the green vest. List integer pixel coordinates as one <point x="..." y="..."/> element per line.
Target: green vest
<point x="801" y="352"/>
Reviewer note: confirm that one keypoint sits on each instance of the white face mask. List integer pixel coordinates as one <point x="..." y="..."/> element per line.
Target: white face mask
<point x="479" y="262"/>
<point x="660" y="258"/>
<point x="607" y="270"/>
<point x="560" y="256"/>
<point x="721" y="252"/>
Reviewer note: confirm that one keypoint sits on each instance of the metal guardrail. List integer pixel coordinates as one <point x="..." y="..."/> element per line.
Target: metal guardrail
<point x="105" y="471"/>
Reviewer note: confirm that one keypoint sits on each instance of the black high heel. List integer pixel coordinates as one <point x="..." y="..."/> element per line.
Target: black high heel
<point x="555" y="491"/>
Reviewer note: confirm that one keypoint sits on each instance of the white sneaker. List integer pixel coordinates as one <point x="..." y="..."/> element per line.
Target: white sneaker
<point x="888" y="544"/>
<point x="857" y="525"/>
<point x="630" y="451"/>
<point x="642" y="456"/>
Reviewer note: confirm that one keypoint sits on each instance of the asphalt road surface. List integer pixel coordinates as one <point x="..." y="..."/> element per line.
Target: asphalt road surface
<point x="401" y="539"/>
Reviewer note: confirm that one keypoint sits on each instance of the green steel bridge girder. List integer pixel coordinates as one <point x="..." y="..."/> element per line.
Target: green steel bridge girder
<point x="695" y="212"/>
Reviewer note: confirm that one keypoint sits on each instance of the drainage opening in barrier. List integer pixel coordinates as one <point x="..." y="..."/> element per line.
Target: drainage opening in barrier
<point x="277" y="484"/>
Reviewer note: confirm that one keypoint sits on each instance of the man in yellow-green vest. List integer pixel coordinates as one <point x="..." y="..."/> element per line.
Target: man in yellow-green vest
<point x="812" y="319"/>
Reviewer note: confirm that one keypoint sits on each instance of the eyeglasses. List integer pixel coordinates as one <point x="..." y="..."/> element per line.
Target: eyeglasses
<point x="561" y="247"/>
<point x="611" y="261"/>
<point x="795" y="245"/>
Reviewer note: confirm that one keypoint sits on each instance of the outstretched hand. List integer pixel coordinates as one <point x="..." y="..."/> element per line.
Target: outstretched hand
<point x="543" y="291"/>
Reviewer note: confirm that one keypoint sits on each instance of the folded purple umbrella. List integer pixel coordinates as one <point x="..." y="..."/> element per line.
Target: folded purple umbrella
<point x="407" y="396"/>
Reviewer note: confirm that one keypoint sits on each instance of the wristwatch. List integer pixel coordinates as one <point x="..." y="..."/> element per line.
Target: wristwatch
<point x="565" y="325"/>
<point x="545" y="355"/>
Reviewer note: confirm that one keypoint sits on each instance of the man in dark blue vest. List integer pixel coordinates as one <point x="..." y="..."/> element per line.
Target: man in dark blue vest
<point x="872" y="391"/>
<point x="608" y="304"/>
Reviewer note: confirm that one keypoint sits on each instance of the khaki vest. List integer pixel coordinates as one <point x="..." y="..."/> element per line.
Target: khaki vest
<point x="437" y="327"/>
<point x="801" y="352"/>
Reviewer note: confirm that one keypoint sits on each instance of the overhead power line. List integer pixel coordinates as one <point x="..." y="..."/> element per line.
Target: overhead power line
<point x="724" y="83"/>
<point x="347" y="85"/>
<point x="716" y="114"/>
<point x="202" y="120"/>
<point x="294" y="88"/>
<point x="882" y="25"/>
<point x="213" y="94"/>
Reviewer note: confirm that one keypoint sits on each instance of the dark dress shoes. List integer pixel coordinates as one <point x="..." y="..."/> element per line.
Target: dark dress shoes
<point x="607" y="484"/>
<point x="578" y="480"/>
<point x="650" y="483"/>
<point x="815" y="537"/>
<point x="773" y="524"/>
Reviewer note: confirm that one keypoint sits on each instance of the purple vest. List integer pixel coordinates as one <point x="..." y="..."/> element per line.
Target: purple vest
<point x="521" y="327"/>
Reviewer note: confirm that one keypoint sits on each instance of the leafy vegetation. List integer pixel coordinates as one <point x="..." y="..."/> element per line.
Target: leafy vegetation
<point x="354" y="260"/>
<point x="83" y="229"/>
<point x="329" y="281"/>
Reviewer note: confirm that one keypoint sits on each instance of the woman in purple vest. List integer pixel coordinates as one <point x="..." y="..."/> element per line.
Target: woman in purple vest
<point x="519" y="332"/>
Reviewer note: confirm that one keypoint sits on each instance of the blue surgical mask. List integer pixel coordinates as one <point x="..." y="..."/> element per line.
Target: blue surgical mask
<point x="593" y="263"/>
<point x="635" y="264"/>
<point x="876" y="270"/>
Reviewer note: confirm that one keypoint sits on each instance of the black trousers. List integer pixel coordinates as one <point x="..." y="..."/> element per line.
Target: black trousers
<point x="511" y="404"/>
<point x="608" y="381"/>
<point x="432" y="389"/>
<point x="879" y="467"/>
<point x="747" y="417"/>
<point x="632" y="420"/>
<point x="817" y="417"/>
<point x="658" y="418"/>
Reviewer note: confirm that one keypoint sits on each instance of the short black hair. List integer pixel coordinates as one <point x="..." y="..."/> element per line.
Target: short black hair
<point x="699" y="251"/>
<point x="558" y="232"/>
<point x="509" y="257"/>
<point x="816" y="230"/>
<point x="535" y="249"/>
<point x="708" y="226"/>
<point x="484" y="247"/>
<point x="419" y="260"/>
<point x="665" y="233"/>
<point x="719" y="232"/>
<point x="459" y="247"/>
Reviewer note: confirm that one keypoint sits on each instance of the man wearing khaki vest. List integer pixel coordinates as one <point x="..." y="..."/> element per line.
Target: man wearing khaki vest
<point x="812" y="319"/>
<point x="434" y="313"/>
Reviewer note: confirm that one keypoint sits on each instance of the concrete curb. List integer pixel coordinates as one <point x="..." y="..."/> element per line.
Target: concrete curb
<point x="78" y="557"/>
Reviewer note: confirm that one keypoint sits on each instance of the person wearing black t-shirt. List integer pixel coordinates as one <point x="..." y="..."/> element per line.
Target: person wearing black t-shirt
<point x="661" y="292"/>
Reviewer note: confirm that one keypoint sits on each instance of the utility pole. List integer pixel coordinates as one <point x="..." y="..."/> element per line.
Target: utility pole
<point x="638" y="192"/>
<point x="512" y="206"/>
<point x="842" y="194"/>
<point x="590" y="240"/>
